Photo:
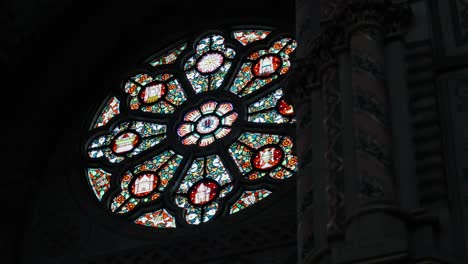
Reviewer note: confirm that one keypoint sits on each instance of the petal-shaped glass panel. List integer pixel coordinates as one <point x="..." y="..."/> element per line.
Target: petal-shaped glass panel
<point x="206" y="140"/>
<point x="224" y="108"/>
<point x="204" y="184"/>
<point x="184" y="129"/>
<point x="262" y="67"/>
<point x="145" y="182"/>
<point x="193" y="115"/>
<point x="229" y="119"/>
<point x="257" y="155"/>
<point x="127" y="140"/>
<point x="159" y="94"/>
<point x="208" y="107"/>
<point x="216" y="170"/>
<point x="207" y="68"/>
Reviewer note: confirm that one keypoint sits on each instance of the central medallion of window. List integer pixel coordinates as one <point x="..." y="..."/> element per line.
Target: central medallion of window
<point x="201" y="131"/>
<point x="210" y="62"/>
<point x="207" y="124"/>
<point x="210" y="121"/>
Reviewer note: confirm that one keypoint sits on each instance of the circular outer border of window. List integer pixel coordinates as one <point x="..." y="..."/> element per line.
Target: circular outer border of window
<point x="171" y="147"/>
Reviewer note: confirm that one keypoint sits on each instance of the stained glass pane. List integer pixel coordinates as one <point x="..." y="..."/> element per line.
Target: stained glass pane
<point x="101" y="141"/>
<point x="155" y="163"/>
<point x="191" y="139"/>
<point x="216" y="170"/>
<point x="247" y="199"/>
<point x="225" y="190"/>
<point x="229" y="119"/>
<point x="168" y="171"/>
<point x="170" y="57"/>
<point x="210" y="211"/>
<point x="203" y="192"/>
<point x="193" y="115"/>
<point x="248" y="36"/>
<point x="266" y="102"/>
<point x="271" y="109"/>
<point x="267" y="158"/>
<point x="203" y="185"/>
<point x="133" y="86"/>
<point x="193" y="215"/>
<point x="210" y="62"/>
<point x="208" y="67"/>
<point x="256" y="140"/>
<point x="208" y="107"/>
<point x="111" y="110"/>
<point x="159" y="95"/>
<point x="128" y="206"/>
<point x="127" y="140"/>
<point x="211" y="121"/>
<point x="119" y="200"/>
<point x="272" y="117"/>
<point x="99" y="180"/>
<point x="141" y="184"/>
<point x="262" y="67"/>
<point x="241" y="154"/>
<point x="175" y="95"/>
<point x="146" y="129"/>
<point x="257" y="155"/>
<point x="162" y="107"/>
<point x="280" y="44"/>
<point x="206" y="140"/>
<point x="159" y="219"/>
<point x="194" y="174"/>
<point x="224" y="108"/>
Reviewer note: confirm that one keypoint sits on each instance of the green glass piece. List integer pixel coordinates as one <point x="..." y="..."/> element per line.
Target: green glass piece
<point x="247" y="199"/>
<point x="170" y="57"/>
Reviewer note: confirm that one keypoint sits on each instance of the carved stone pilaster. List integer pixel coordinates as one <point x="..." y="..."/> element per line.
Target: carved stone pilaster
<point x="464" y="14"/>
<point x="346" y="63"/>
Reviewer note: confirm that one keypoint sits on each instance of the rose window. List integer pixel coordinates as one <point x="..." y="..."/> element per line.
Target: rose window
<point x="203" y="132"/>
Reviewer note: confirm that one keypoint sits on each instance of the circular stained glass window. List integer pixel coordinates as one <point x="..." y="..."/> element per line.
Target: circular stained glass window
<point x="203" y="131"/>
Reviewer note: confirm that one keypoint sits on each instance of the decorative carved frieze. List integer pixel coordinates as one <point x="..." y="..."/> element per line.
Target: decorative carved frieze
<point x="333" y="155"/>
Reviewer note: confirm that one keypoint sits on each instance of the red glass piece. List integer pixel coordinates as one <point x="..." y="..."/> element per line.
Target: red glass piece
<point x="285" y="108"/>
<point x="267" y="158"/>
<point x="144" y="184"/>
<point x="125" y="142"/>
<point x="266" y="66"/>
<point x="152" y="93"/>
<point x="203" y="192"/>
